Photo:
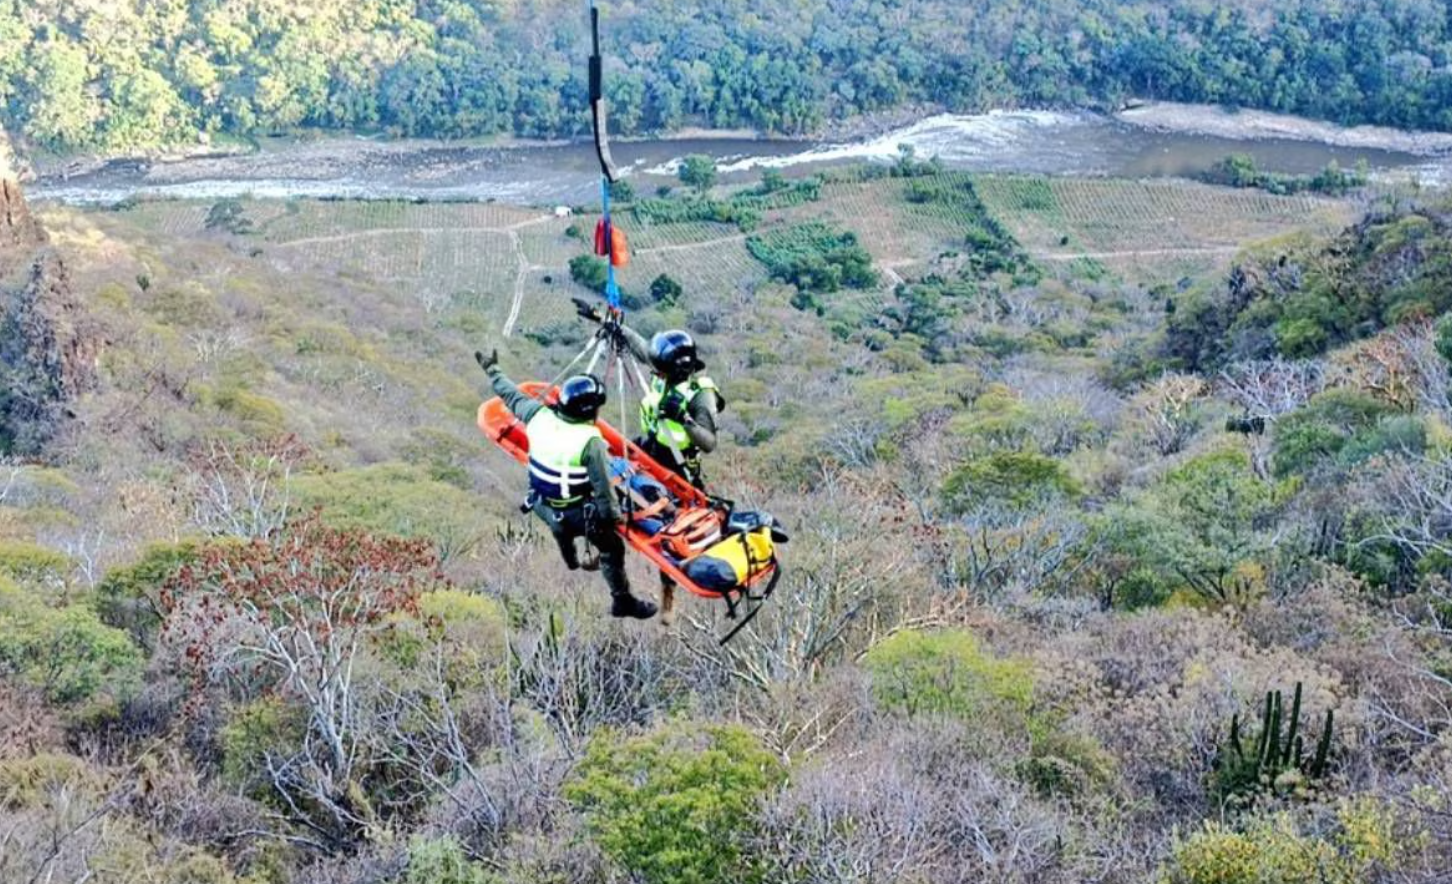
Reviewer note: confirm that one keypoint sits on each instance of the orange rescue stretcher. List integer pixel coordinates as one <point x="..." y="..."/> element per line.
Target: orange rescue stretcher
<point x="500" y="425"/>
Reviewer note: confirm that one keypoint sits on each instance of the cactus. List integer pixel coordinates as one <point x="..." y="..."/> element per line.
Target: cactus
<point x="1279" y="748"/>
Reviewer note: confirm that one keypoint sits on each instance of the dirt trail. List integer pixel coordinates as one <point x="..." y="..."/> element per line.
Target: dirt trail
<point x="523" y="266"/>
<point x="687" y="246"/>
<point x="1137" y="253"/>
<point x="396" y="231"/>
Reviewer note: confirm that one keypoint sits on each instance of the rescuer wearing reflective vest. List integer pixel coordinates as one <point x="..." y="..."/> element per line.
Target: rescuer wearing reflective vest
<point x="678" y="412"/>
<point x="569" y="477"/>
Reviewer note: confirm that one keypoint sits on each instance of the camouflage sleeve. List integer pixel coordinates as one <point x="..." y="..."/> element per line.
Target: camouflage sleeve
<point x="523" y="406"/>
<point x="702" y="428"/>
<point x="602" y="494"/>
<point x="638" y="345"/>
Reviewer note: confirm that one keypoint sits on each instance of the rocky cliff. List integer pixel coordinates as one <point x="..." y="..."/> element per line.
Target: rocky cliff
<point x="48" y="345"/>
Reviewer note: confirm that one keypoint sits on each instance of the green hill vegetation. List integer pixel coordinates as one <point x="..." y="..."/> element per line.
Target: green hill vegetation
<point x="135" y="74"/>
<point x="1119" y="549"/>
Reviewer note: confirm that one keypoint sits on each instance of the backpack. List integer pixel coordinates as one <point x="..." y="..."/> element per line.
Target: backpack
<point x="691" y="532"/>
<point x="730" y="563"/>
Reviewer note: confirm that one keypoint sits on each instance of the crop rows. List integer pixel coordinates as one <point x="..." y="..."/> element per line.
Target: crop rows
<point x="709" y="271"/>
<point x="544" y="245"/>
<point x="894" y="231"/>
<point x="440" y="267"/>
<point x="654" y="236"/>
<point x="310" y="219"/>
<point x="1118" y="215"/>
<point x="169" y="217"/>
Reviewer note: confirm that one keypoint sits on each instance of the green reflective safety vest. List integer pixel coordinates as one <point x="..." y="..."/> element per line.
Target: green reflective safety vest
<point x="556" y="457"/>
<point x="670" y="433"/>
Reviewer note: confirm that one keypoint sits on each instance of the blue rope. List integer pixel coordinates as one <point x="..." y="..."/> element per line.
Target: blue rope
<point x="612" y="291"/>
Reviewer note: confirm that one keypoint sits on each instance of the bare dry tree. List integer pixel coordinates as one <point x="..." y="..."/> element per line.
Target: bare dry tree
<point x="1269" y="388"/>
<point x="294" y="616"/>
<point x="11" y="473"/>
<point x="1168" y="411"/>
<point x="240" y="489"/>
<point x="1413" y="497"/>
<point x="581" y="674"/>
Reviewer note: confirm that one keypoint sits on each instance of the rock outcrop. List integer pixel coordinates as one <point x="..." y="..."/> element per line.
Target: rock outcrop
<point x="48" y="345"/>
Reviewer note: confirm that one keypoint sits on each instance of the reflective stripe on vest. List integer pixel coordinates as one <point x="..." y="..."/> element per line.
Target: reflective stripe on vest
<point x="670" y="433"/>
<point x="556" y="456"/>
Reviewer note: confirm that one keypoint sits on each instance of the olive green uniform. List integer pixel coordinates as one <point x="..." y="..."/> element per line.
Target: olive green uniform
<point x="592" y="513"/>
<point x="677" y="445"/>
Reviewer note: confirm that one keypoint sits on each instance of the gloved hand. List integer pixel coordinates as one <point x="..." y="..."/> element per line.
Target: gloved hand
<point x="673" y="407"/>
<point x="486" y="362"/>
<point x="587" y="310"/>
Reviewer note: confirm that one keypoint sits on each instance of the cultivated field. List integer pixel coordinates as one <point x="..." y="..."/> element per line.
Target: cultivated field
<point x="1150" y="230"/>
<point x="505" y="268"/>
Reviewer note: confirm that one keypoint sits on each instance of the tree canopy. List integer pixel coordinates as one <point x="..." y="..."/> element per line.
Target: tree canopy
<point x="136" y="74"/>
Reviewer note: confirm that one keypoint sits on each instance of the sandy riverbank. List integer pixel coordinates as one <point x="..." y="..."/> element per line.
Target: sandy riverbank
<point x="1205" y="119"/>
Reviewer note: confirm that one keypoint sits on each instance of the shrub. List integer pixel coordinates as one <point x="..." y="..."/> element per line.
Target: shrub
<point x="26" y="782"/>
<point x="227" y="214"/>
<point x="1016" y="478"/>
<point x="1316" y="433"/>
<point x="946" y="672"/>
<point x="679" y="805"/>
<point x="621" y="191"/>
<point x="66" y="653"/>
<point x="665" y="291"/>
<point x="393" y="498"/>
<point x="468" y="628"/>
<point x="126" y="596"/>
<point x="1273" y="848"/>
<point x="33" y="565"/>
<point x="442" y="861"/>
<point x="254" y="731"/>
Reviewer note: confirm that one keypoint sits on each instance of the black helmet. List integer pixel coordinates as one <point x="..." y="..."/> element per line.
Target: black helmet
<point x="673" y="354"/>
<point x="580" y="398"/>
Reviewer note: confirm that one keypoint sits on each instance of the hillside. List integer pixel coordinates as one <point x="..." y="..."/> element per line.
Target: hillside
<point x="268" y="612"/>
<point x="134" y="76"/>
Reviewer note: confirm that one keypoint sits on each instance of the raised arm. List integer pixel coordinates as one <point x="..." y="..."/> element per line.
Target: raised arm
<point x="523" y="406"/>
<point x="639" y="347"/>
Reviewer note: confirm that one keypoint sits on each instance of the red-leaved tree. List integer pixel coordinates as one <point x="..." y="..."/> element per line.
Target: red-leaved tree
<point x="293" y="617"/>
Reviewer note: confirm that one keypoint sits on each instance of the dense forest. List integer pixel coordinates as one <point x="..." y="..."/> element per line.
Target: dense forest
<point x="137" y="74"/>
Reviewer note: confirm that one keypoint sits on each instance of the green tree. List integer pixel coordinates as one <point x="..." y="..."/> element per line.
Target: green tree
<point x="229" y="215"/>
<point x="146" y="111"/>
<point x="698" y="171"/>
<point x="65" y="652"/>
<point x="1207" y="526"/>
<point x="1015" y="479"/>
<point x="64" y="112"/>
<point x="621" y="191"/>
<point x="947" y="672"/>
<point x="588" y="271"/>
<point x="678" y="805"/>
<point x="665" y="291"/>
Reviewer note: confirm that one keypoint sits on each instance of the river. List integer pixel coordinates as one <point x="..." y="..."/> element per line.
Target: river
<point x="1156" y="140"/>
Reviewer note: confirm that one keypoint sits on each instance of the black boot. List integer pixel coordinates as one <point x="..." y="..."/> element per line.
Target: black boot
<point x="627" y="605"/>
